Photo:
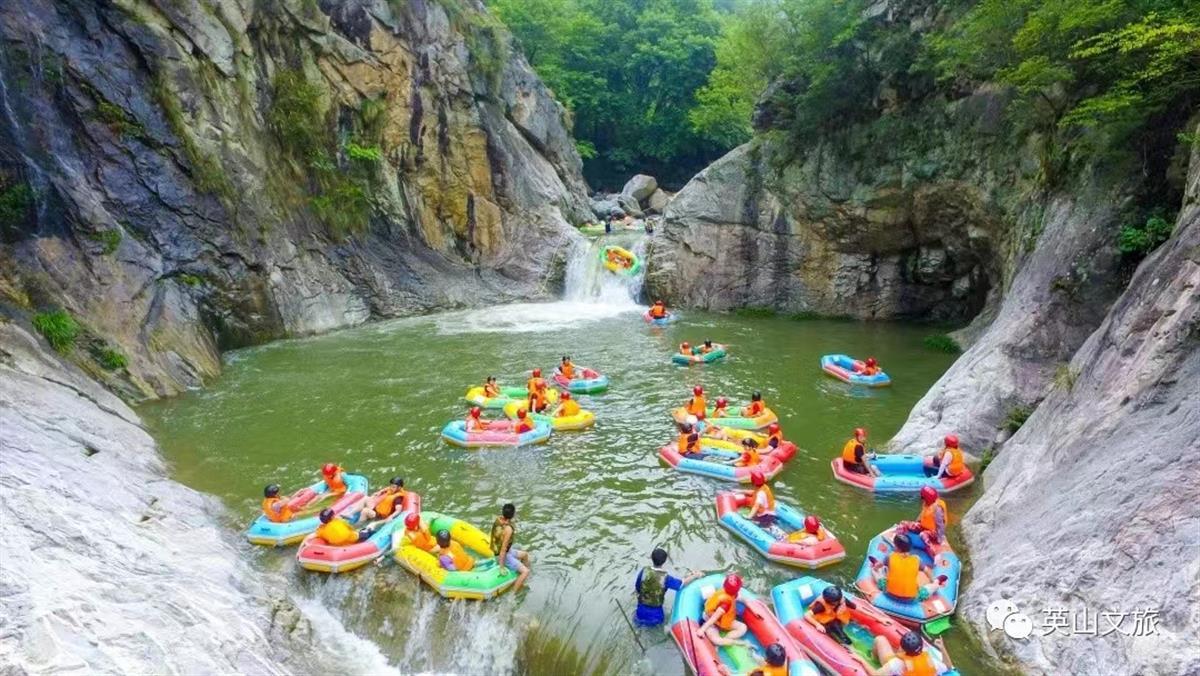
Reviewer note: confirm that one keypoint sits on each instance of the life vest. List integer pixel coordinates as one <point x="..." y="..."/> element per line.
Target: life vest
<point x="284" y="513"/>
<point x="957" y="466"/>
<point x="870" y="370"/>
<point x="902" y="575"/>
<point x="765" y="490"/>
<point x="775" y="439"/>
<point x="768" y="670"/>
<point x="697" y="406"/>
<point x="567" y="370"/>
<point x="387" y="504"/>
<point x="535" y="386"/>
<point x="826" y="615"/>
<point x="420" y="539"/>
<point x="848" y="455"/>
<point x="928" y="518"/>
<point x="475" y="424"/>
<point x="498" y="535"/>
<point x="653" y="588"/>
<point x="720" y="412"/>
<point x="658" y="311"/>
<point x="491" y="391"/>
<point x="337" y="533"/>
<point x="685" y="445"/>
<point x="800" y="535"/>
<point x="462" y="561"/>
<point x="750" y="457"/>
<point x="720" y="599"/>
<point x="919" y="665"/>
<point x="337" y="484"/>
<point x="523" y="426"/>
<point x="755" y="408"/>
<point x="568" y="408"/>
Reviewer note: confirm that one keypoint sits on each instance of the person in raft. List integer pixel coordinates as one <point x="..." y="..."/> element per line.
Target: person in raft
<point x="696" y="405"/>
<point x="659" y="311"/>
<point x="504" y="532"/>
<point x="617" y="259"/>
<point x="338" y="532"/>
<point x="474" y="421"/>
<point x="708" y="347"/>
<point x="385" y="503"/>
<point x="774" y="436"/>
<point x="416" y="534"/>
<point x="685" y="348"/>
<point x="536" y="387"/>
<point x="334" y="478"/>
<point x="750" y="456"/>
<point x="720" y="615"/>
<point x="524" y="424"/>
<point x="931" y="522"/>
<point x="813" y="533"/>
<point x="275" y="508"/>
<point x="651" y="586"/>
<point x="491" y="389"/>
<point x="774" y="662"/>
<point x="912" y="660"/>
<point x="948" y="462"/>
<point x="567" y="368"/>
<point x="831" y="613"/>
<point x="688" y="442"/>
<point x="567" y="406"/>
<point x="854" y="454"/>
<point x="756" y="406"/>
<point x="869" y="368"/>
<point x="762" y="506"/>
<point x="451" y="555"/>
<point x="902" y="576"/>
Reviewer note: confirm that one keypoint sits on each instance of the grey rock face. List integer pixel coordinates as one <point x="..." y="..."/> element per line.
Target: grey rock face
<point x="154" y="120"/>
<point x="657" y="202"/>
<point x="640" y="187"/>
<point x="629" y="205"/>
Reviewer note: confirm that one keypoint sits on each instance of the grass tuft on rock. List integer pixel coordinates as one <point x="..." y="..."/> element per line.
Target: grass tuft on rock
<point x="1016" y="417"/>
<point x="108" y="240"/>
<point x="942" y="343"/>
<point x="59" y="328"/>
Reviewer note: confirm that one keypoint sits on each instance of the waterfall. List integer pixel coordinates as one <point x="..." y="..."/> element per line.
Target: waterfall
<point x="587" y="281"/>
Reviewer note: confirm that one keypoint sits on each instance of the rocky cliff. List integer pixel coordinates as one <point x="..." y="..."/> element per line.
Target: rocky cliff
<point x="185" y="177"/>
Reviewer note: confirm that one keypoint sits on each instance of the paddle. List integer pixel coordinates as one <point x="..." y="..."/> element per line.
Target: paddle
<point x="630" y="625"/>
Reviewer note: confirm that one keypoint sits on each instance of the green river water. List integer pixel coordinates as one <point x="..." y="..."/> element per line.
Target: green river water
<point x="591" y="505"/>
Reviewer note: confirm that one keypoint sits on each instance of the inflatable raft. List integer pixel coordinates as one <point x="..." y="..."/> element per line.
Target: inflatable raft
<point x="717" y="460"/>
<point x="739" y="422"/>
<point x="580" y="421"/>
<point x="943" y="561"/>
<point x="718" y="352"/>
<point x="899" y="473"/>
<point x="792" y="600"/>
<point x="484" y="581"/>
<point x="586" y="381"/>
<point x="474" y="396"/>
<point x="592" y="230"/>
<point x="659" y="321"/>
<point x="848" y="370"/>
<point x="266" y="532"/>
<point x="632" y="266"/>
<point x="316" y="554"/>
<point x="763" y="629"/>
<point x="497" y="433"/>
<point x="773" y="542"/>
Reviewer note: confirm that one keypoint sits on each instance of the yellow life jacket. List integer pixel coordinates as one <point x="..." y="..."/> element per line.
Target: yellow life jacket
<point x="902" y="575"/>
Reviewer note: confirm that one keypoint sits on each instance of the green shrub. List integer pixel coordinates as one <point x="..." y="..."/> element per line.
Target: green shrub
<point x="989" y="454"/>
<point x="755" y="312"/>
<point x="296" y="116"/>
<point x="1138" y="240"/>
<point x="15" y="202"/>
<point x="365" y="154"/>
<point x="109" y="358"/>
<point x="59" y="328"/>
<point x="1065" y="377"/>
<point x="117" y="119"/>
<point x="1016" y="418"/>
<point x="344" y="207"/>
<point x="942" y="343"/>
<point x="189" y="279"/>
<point x="109" y="240"/>
<point x="206" y="169"/>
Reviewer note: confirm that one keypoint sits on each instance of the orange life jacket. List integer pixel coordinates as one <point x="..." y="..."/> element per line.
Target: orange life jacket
<point x="697" y="406"/>
<point x="474" y="424"/>
<point x="919" y="665"/>
<point x="284" y="513"/>
<point x="337" y="533"/>
<point x="336" y="484"/>
<point x="686" y="446"/>
<point x="755" y="408"/>
<point x="658" y="311"/>
<point x="870" y="370"/>
<point x="420" y="539"/>
<point x="462" y="561"/>
<point x="523" y="426"/>
<point x="848" y="455"/>
<point x="750" y="457"/>
<point x="957" y="466"/>
<point x="387" y="504"/>
<point x="768" y="670"/>
<point x="927" y="519"/>
<point x="720" y="599"/>
<point x="491" y="391"/>
<point x="568" y="370"/>
<point x="827" y="614"/>
<point x="535" y="385"/>
<point x="902" y="575"/>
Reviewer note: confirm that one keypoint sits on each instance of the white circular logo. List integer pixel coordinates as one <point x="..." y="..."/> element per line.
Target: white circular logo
<point x="1018" y="625"/>
<point x="999" y="610"/>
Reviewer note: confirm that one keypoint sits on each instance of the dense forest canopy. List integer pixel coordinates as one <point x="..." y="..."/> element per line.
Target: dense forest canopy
<point x="663" y="86"/>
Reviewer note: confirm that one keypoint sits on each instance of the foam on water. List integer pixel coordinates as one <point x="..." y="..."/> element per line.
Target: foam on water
<point x="357" y="655"/>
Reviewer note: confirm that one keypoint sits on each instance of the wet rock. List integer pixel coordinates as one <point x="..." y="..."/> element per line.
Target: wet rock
<point x="629" y="205"/>
<point x="640" y="187"/>
<point x="603" y="208"/>
<point x="657" y="202"/>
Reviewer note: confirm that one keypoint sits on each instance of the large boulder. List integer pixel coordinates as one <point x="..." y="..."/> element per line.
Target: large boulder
<point x="605" y="207"/>
<point x="657" y="202"/>
<point x="640" y="187"/>
<point x="630" y="205"/>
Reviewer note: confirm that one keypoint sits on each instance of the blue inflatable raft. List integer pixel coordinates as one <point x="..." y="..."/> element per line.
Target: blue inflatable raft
<point x="272" y="534"/>
<point x="848" y="370"/>
<point x="917" y="611"/>
<point x="899" y="473"/>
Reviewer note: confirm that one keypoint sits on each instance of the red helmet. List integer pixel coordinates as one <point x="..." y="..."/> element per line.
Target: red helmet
<point x="412" y="521"/>
<point x="475" y="411"/>
<point x="537" y="373"/>
<point x="685" y="345"/>
<point x="697" y="390"/>
<point x="722" y="402"/>
<point x="733" y="584"/>
<point x="521" y="413"/>
<point x="566" y="395"/>
<point x="812" y="524"/>
<point x="952" y="440"/>
<point x="757" y="478"/>
<point x="871" y="361"/>
<point x="859" y="433"/>
<point x="773" y="428"/>
<point x="928" y="494"/>
<point x="329" y="469"/>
